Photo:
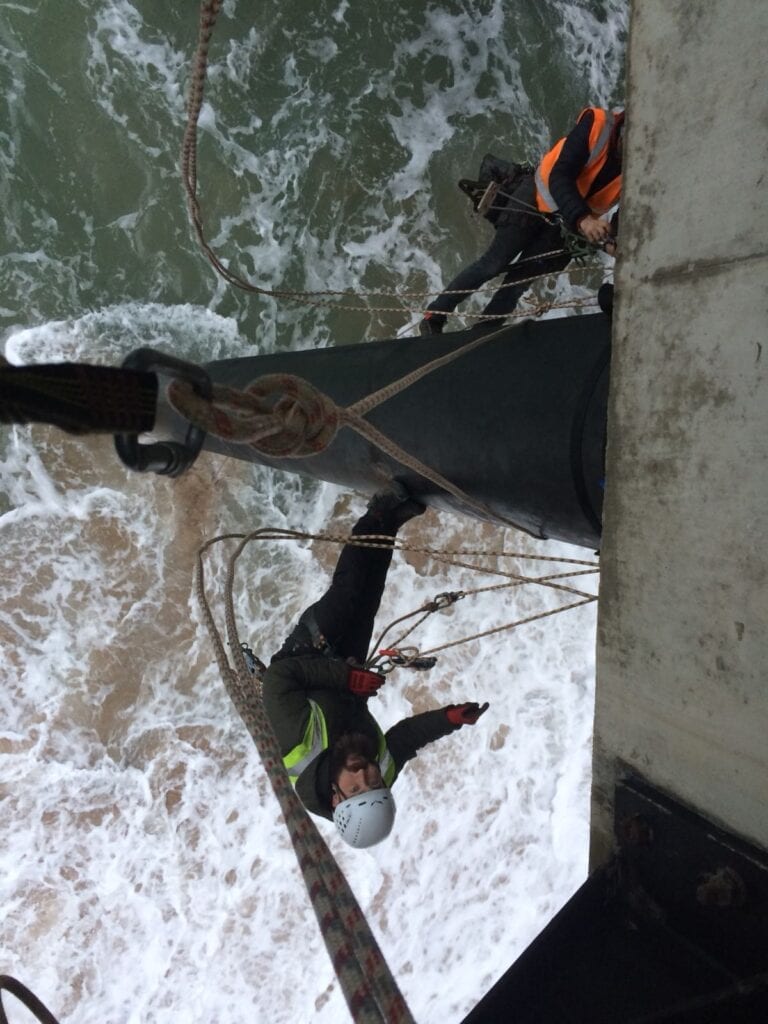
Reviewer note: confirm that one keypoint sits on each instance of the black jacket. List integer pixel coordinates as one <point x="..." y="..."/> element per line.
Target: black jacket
<point x="287" y="687"/>
<point x="570" y="163"/>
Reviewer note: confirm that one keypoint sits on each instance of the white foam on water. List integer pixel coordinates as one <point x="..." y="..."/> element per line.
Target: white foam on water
<point x="145" y="874"/>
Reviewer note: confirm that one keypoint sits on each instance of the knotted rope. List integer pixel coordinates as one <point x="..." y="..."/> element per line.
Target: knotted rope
<point x="371" y="992"/>
<point x="281" y="415"/>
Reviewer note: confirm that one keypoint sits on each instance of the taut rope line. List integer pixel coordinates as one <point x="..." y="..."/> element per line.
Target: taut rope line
<point x="429" y="608"/>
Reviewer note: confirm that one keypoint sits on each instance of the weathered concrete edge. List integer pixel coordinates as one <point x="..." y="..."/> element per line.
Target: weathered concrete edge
<point x="682" y="649"/>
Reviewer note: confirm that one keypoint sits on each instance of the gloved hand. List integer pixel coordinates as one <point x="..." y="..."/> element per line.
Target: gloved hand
<point x="465" y="714"/>
<point x="364" y="683"/>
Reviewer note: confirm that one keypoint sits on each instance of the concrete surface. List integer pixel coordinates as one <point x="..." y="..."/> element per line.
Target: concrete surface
<point x="682" y="676"/>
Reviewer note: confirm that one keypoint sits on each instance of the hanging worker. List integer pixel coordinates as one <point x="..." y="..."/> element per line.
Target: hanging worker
<point x="316" y="691"/>
<point x="576" y="184"/>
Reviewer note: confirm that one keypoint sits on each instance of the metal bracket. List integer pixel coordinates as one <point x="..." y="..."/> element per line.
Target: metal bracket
<point x="167" y="458"/>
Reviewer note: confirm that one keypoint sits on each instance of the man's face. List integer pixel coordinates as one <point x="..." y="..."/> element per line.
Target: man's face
<point x="358" y="775"/>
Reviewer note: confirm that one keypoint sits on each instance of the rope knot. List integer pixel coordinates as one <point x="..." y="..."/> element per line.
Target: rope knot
<point x="280" y="415"/>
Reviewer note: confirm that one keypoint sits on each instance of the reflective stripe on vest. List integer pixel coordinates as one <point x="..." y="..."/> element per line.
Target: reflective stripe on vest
<point x="599" y="137"/>
<point x="315" y="741"/>
<point x="386" y="761"/>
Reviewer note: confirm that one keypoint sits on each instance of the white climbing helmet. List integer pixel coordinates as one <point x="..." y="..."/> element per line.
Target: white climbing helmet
<point x="366" y="818"/>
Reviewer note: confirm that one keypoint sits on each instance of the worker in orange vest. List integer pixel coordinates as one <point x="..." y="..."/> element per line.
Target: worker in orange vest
<point x="576" y="184"/>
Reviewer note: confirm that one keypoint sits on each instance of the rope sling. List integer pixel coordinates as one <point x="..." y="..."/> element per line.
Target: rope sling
<point x="284" y="416"/>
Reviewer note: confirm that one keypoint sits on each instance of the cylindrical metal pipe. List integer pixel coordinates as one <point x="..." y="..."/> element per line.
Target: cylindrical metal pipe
<point x="518" y="424"/>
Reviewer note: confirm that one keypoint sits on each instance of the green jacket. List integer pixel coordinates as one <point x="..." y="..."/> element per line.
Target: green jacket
<point x="309" y="706"/>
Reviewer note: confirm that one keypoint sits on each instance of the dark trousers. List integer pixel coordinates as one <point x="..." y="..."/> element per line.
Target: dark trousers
<point x="345" y="613"/>
<point x="520" y="230"/>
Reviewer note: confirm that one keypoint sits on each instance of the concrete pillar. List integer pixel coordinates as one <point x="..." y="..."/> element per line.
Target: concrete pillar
<point x="682" y="668"/>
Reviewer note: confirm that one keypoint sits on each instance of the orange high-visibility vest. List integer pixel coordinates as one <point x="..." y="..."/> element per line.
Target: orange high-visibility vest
<point x="599" y="137"/>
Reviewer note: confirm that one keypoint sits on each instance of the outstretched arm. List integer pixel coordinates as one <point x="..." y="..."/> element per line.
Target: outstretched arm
<point x="411" y="734"/>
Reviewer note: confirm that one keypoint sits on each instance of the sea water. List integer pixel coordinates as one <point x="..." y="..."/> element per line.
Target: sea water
<point x="145" y="873"/>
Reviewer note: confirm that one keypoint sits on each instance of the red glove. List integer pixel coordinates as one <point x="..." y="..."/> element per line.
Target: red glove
<point x="364" y="683"/>
<point x="465" y="714"/>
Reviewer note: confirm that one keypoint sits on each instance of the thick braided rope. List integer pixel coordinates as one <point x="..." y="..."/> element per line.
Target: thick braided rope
<point x="371" y="992"/>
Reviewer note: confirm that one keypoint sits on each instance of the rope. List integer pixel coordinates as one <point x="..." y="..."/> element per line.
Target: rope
<point x="371" y="992"/>
<point x="209" y="11"/>
<point x="448" y="557"/>
<point x="510" y="625"/>
<point x="431" y="607"/>
<point x="369" y="988"/>
<point x="303" y="421"/>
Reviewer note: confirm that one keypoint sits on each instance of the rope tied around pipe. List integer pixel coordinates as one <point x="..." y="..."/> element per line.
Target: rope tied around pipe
<point x="271" y="413"/>
<point x="280" y="415"/>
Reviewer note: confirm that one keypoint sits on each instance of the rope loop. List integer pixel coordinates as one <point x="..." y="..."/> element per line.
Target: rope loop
<point x="309" y="418"/>
<point x="280" y="415"/>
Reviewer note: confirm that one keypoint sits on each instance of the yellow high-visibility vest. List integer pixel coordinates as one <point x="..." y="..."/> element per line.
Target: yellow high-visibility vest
<point x="315" y="741"/>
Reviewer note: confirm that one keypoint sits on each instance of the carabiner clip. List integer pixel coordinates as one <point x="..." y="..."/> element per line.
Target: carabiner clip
<point x="401" y="659"/>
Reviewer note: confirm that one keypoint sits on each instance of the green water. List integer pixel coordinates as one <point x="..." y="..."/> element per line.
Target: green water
<point x="330" y="146"/>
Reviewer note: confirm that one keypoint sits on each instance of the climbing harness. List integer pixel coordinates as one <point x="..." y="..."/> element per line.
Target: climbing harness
<point x="491" y="192"/>
<point x="395" y="655"/>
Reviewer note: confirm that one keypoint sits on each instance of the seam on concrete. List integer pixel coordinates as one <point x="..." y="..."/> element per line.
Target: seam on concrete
<point x="702" y="267"/>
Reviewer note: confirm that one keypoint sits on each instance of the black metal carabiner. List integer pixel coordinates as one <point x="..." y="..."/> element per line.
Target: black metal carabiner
<point x="167" y="458"/>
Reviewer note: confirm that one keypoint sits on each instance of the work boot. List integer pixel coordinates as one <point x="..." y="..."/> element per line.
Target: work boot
<point x="394" y="504"/>
<point x="605" y="298"/>
<point x="432" y="323"/>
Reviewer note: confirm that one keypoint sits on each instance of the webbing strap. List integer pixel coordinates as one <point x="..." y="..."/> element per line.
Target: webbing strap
<point x="78" y="398"/>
